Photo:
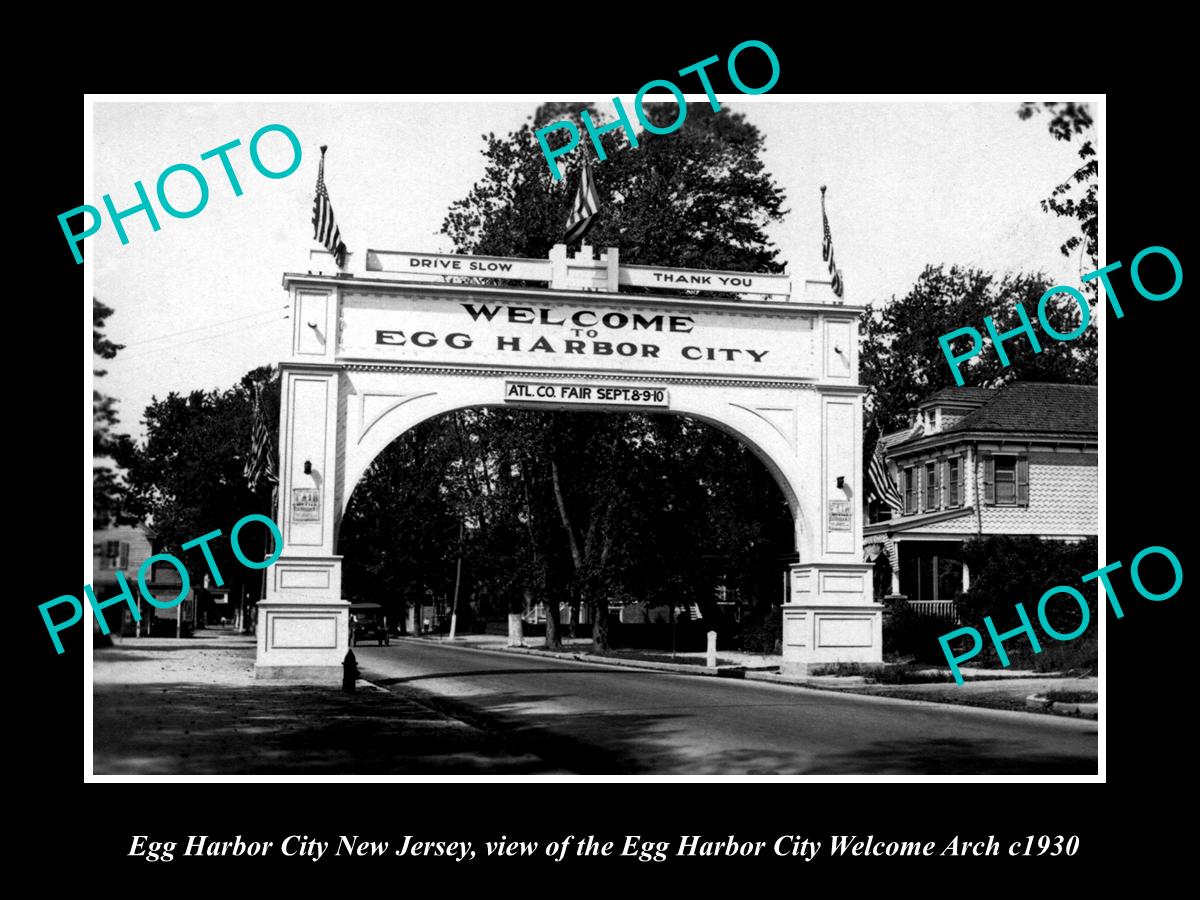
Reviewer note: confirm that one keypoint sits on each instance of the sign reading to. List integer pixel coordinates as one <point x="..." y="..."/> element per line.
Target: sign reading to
<point x="306" y="504"/>
<point x="839" y="515"/>
<point x="588" y="394"/>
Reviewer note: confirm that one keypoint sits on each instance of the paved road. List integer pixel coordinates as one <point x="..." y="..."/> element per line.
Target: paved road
<point x="605" y="720"/>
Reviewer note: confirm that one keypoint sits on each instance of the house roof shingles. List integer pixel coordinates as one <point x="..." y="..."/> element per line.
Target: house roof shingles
<point x="1030" y="406"/>
<point x="968" y="394"/>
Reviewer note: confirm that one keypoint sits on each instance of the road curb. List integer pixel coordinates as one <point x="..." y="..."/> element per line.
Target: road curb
<point x="1058" y="708"/>
<point x="681" y="668"/>
<point x="764" y="677"/>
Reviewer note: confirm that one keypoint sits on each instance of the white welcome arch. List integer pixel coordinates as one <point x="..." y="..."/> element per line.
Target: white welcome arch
<point x="376" y="352"/>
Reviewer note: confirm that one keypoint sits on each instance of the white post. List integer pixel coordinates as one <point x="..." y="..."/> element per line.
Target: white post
<point x="516" y="635"/>
<point x="711" y="658"/>
<point x="457" y="582"/>
<point x="966" y="577"/>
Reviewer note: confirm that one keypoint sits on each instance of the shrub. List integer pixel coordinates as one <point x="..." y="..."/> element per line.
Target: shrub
<point x="1009" y="570"/>
<point x="844" y="668"/>
<point x="908" y="675"/>
<point x="763" y="638"/>
<point x="876" y="673"/>
<point x="907" y="634"/>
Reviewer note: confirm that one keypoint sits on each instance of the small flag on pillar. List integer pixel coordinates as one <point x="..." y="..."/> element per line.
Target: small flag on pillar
<point x="827" y="250"/>
<point x="881" y="481"/>
<point x="261" y="462"/>
<point x="585" y="207"/>
<point x="325" y="229"/>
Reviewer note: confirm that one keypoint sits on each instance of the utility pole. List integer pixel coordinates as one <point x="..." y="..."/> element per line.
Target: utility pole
<point x="672" y="613"/>
<point x="457" y="582"/>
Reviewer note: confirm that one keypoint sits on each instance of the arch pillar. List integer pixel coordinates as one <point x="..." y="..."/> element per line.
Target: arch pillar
<point x="303" y="621"/>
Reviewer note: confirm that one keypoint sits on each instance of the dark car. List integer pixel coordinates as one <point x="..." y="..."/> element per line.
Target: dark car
<point x="368" y="622"/>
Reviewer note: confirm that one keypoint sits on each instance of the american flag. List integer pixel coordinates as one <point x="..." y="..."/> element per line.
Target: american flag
<point x="827" y="250"/>
<point x="325" y="228"/>
<point x="261" y="462"/>
<point x="885" y="490"/>
<point x="585" y="207"/>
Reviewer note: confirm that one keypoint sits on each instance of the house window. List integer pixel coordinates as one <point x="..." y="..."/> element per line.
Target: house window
<point x="954" y="481"/>
<point x="931" y="486"/>
<point x="910" y="490"/>
<point x="112" y="558"/>
<point x="1006" y="480"/>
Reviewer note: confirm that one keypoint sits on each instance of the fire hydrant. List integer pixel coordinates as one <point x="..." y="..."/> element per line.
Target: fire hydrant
<point x="349" y="672"/>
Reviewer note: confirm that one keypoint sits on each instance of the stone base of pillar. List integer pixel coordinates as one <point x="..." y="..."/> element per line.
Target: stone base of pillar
<point x="302" y="640"/>
<point x="831" y="617"/>
<point x="318" y="675"/>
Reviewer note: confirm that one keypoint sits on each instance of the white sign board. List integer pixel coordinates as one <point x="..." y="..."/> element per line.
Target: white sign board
<point x="595" y="337"/>
<point x="585" y="394"/>
<point x="426" y="265"/>
<point x="658" y="278"/>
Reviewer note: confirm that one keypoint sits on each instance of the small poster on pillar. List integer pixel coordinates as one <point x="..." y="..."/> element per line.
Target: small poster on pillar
<point x="306" y="504"/>
<point x="839" y="515"/>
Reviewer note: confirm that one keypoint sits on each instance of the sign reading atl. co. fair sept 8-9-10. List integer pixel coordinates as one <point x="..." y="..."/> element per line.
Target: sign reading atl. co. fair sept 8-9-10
<point x="600" y="336"/>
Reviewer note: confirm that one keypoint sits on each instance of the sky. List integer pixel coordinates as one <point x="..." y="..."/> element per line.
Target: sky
<point x="200" y="302"/>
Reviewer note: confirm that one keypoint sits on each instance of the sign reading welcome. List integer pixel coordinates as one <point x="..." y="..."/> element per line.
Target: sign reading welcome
<point x="615" y="337"/>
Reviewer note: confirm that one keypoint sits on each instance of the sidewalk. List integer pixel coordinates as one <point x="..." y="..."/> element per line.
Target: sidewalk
<point x="164" y="706"/>
<point x="1001" y="689"/>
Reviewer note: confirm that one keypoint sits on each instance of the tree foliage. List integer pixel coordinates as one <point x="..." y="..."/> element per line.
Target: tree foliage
<point x="1075" y="197"/>
<point x="1006" y="570"/>
<point x="107" y="489"/>
<point x="697" y="198"/>
<point x="186" y="477"/>
<point x="902" y="362"/>
<point x="583" y="508"/>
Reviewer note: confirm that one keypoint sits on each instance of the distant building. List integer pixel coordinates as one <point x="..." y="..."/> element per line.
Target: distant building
<point x="1016" y="460"/>
<point x="124" y="548"/>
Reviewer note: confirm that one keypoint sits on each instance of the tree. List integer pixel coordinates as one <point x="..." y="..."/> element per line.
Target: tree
<point x="1076" y="197"/>
<point x="107" y="490"/>
<point x="902" y="362"/>
<point x="399" y="534"/>
<point x="1006" y="569"/>
<point x="186" y="477"/>
<point x="697" y="198"/>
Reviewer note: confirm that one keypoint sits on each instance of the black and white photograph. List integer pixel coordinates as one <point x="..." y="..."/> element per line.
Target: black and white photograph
<point x="747" y="434"/>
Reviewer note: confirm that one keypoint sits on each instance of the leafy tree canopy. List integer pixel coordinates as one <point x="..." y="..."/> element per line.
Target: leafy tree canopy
<point x="902" y="362"/>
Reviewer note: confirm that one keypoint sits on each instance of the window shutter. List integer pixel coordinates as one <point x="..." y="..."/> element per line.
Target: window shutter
<point x="937" y="485"/>
<point x="989" y="479"/>
<point x="947" y="500"/>
<point x="1022" y="481"/>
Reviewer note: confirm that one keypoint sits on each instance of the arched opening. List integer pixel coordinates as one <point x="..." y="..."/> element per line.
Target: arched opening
<point x="635" y="529"/>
